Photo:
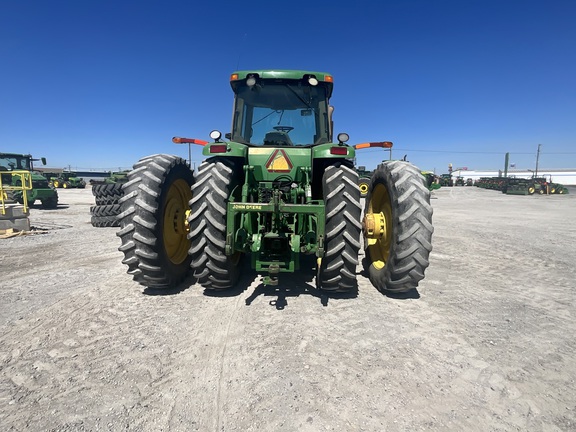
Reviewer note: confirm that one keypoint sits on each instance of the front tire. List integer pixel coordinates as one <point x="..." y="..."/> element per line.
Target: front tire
<point x="153" y="227"/>
<point x="397" y="227"/>
<point x="337" y="270"/>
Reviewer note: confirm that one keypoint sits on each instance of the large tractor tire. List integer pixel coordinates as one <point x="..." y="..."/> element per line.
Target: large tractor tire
<point x="107" y="193"/>
<point x="51" y="202"/>
<point x="363" y="184"/>
<point x="397" y="227"/>
<point x="153" y="226"/>
<point x="105" y="215"/>
<point x="105" y="221"/>
<point x="337" y="268"/>
<point x="214" y="182"/>
<point x="105" y="210"/>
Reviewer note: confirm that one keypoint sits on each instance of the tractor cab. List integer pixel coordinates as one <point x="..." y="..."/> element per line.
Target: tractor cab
<point x="281" y="108"/>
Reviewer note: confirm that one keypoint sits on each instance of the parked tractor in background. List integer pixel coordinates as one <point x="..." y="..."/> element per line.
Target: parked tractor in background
<point x="67" y="180"/>
<point x="459" y="181"/>
<point x="545" y="186"/>
<point x="278" y="188"/>
<point x="446" y="180"/>
<point x="432" y="180"/>
<point x="41" y="191"/>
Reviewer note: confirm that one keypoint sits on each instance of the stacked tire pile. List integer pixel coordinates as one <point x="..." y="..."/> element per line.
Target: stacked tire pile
<point x="105" y="212"/>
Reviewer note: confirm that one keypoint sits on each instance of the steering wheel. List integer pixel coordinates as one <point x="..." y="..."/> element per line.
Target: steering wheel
<point x="283" y="128"/>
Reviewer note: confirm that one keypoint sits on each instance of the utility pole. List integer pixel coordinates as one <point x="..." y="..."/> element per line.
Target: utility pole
<point x="537" y="159"/>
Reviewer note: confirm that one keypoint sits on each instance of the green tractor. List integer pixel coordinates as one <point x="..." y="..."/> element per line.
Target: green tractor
<point x="446" y="180"/>
<point x="277" y="188"/>
<point x="432" y="180"/>
<point x="545" y="186"/>
<point x="67" y="180"/>
<point x="11" y="164"/>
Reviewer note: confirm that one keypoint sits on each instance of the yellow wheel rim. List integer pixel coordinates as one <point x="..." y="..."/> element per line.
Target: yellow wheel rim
<point x="56" y="184"/>
<point x="175" y="228"/>
<point x="378" y="226"/>
<point x="65" y="186"/>
<point x="363" y="188"/>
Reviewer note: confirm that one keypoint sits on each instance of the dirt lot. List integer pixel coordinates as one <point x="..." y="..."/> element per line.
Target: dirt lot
<point x="487" y="343"/>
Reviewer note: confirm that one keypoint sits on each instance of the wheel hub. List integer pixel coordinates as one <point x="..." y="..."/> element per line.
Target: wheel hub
<point x="374" y="227"/>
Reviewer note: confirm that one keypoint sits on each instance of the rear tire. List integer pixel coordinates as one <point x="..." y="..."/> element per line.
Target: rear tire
<point x="153" y="226"/>
<point x="214" y="182"/>
<point x="50" y="203"/>
<point x="337" y="270"/>
<point x="399" y="199"/>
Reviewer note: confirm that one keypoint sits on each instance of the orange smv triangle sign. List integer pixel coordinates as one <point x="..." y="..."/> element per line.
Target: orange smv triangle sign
<point x="279" y="162"/>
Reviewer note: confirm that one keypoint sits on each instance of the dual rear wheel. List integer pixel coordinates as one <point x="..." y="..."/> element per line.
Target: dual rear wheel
<point x="172" y="221"/>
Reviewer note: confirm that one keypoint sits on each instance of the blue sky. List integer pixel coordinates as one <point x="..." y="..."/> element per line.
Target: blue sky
<point x="100" y="84"/>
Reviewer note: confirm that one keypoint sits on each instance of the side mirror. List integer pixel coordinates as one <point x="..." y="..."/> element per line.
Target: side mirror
<point x="228" y="136"/>
<point x="43" y="160"/>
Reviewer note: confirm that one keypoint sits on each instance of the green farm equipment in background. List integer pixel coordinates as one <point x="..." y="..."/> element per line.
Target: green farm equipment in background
<point x="40" y="191"/>
<point x="432" y="180"/>
<point x="545" y="186"/>
<point x="518" y="186"/>
<point x="446" y="180"/>
<point x="522" y="186"/>
<point x="459" y="181"/>
<point x="274" y="189"/>
<point x="67" y="180"/>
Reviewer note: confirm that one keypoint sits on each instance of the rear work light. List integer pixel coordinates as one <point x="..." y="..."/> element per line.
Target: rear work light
<point x="339" y="150"/>
<point x="218" y="148"/>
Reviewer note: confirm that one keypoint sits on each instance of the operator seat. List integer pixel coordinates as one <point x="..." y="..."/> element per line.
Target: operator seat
<point x="277" y="137"/>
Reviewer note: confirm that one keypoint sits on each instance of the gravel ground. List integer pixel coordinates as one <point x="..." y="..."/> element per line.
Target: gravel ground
<point x="486" y="344"/>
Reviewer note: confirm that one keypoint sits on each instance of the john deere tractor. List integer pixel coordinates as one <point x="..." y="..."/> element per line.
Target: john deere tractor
<point x="276" y="188"/>
<point x="67" y="180"/>
<point x="13" y="163"/>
